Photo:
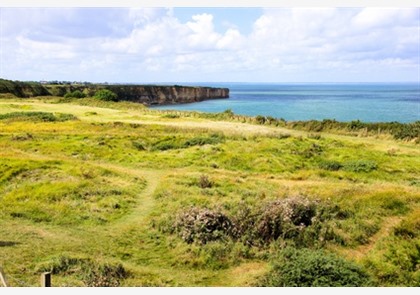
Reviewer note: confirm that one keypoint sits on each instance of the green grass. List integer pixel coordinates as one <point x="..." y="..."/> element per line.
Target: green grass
<point x="36" y="117"/>
<point x="91" y="190"/>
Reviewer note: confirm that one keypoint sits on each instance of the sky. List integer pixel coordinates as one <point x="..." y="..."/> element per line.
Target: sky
<point x="215" y="44"/>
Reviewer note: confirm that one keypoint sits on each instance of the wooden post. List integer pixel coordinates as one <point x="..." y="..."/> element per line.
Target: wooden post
<point x="46" y="279"/>
<point x="3" y="278"/>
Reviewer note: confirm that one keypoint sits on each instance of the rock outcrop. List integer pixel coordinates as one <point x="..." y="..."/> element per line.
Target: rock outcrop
<point x="145" y="94"/>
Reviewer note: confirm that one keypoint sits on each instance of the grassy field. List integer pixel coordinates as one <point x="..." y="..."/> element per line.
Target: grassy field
<point x="115" y="194"/>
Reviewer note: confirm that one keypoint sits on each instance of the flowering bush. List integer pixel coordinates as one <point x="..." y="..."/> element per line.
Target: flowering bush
<point x="284" y="218"/>
<point x="202" y="225"/>
<point x="295" y="218"/>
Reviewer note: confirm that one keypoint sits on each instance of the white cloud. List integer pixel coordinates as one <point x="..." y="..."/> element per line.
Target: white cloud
<point x="119" y="44"/>
<point x="334" y="37"/>
<point x="231" y="40"/>
<point x="202" y="34"/>
<point x="370" y="18"/>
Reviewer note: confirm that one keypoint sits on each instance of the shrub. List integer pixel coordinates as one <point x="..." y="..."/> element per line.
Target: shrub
<point x="273" y="220"/>
<point x="106" y="95"/>
<point x="355" y="125"/>
<point x="228" y="113"/>
<point x="297" y="219"/>
<point x="260" y="119"/>
<point x="202" y="225"/>
<point x="306" y="223"/>
<point x="105" y="275"/>
<point x="408" y="131"/>
<point x="75" y="94"/>
<point x="284" y="218"/>
<point x="244" y="223"/>
<point x="313" y="268"/>
<point x="330" y="165"/>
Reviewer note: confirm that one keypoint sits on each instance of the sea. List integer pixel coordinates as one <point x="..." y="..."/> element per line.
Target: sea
<point x="344" y="102"/>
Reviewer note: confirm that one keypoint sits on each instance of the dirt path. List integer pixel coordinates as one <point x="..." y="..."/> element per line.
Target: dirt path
<point x="145" y="198"/>
<point x="387" y="226"/>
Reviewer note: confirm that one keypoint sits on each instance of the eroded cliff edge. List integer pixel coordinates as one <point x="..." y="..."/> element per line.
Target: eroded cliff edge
<point x="145" y="94"/>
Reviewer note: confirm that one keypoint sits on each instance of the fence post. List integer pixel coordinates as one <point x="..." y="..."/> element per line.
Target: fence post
<point x="46" y="279"/>
<point x="3" y="277"/>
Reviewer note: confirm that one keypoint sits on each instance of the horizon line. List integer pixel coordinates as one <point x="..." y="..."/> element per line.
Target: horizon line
<point x="223" y="82"/>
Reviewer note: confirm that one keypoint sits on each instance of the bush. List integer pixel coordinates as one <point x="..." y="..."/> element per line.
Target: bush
<point x="75" y="94"/>
<point x="330" y="165"/>
<point x="260" y="119"/>
<point x="313" y="268"/>
<point x="106" y="95"/>
<point x="297" y="219"/>
<point x="408" y="132"/>
<point x="202" y="225"/>
<point x="228" y="113"/>
<point x="284" y="218"/>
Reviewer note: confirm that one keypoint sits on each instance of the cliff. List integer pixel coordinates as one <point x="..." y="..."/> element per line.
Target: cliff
<point x="145" y="94"/>
<point x="159" y="95"/>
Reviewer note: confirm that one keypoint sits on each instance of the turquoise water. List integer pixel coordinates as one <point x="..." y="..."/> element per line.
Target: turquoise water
<point x="376" y="102"/>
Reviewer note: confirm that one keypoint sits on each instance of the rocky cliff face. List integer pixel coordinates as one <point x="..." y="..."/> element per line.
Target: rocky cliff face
<point x="160" y="95"/>
<point x="145" y="94"/>
<point x="149" y="94"/>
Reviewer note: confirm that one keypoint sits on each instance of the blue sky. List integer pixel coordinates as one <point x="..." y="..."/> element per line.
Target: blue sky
<point x="146" y="45"/>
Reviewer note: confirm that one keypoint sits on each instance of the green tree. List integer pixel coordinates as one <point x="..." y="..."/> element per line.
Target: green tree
<point x="75" y="94"/>
<point x="107" y="95"/>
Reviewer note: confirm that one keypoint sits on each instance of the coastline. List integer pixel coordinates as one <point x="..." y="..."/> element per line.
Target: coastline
<point x="144" y="94"/>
